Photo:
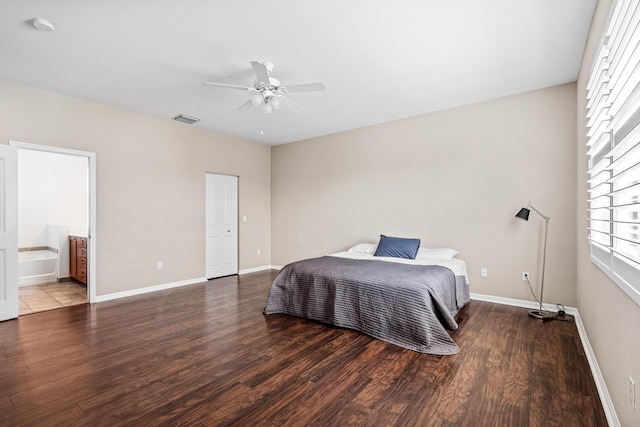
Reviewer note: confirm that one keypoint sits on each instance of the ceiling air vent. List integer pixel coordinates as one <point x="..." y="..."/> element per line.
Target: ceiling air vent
<point x="185" y="119"/>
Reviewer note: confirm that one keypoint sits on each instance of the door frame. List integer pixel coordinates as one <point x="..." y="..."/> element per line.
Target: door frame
<point x="91" y="176"/>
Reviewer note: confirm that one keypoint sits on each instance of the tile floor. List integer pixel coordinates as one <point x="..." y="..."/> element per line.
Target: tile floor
<point x="48" y="296"/>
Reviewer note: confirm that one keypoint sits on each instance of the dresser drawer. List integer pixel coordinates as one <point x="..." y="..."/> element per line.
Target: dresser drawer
<point x="82" y="252"/>
<point x="82" y="275"/>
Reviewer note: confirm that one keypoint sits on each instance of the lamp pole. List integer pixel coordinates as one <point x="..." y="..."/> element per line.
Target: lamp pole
<point x="539" y="314"/>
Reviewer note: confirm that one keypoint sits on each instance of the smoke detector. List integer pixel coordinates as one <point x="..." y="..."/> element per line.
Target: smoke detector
<point x="42" y="24"/>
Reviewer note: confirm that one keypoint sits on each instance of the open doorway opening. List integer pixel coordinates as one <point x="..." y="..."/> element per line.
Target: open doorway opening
<point x="56" y="217"/>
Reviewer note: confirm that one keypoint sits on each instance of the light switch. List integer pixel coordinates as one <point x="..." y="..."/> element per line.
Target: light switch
<point x="244" y="218"/>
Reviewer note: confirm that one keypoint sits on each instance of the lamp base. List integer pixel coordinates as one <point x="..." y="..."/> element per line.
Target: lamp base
<point x="539" y="314"/>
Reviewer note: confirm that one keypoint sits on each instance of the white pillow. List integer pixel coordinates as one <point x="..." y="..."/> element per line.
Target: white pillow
<point x="364" y="248"/>
<point x="437" y="253"/>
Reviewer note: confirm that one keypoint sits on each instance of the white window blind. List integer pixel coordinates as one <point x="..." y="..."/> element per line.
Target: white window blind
<point x="613" y="140"/>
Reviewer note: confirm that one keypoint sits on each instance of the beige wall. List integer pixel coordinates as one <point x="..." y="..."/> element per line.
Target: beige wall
<point x="150" y="184"/>
<point x="454" y="178"/>
<point x="611" y="318"/>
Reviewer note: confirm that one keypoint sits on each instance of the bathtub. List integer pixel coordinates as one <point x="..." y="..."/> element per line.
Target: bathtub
<point x="37" y="267"/>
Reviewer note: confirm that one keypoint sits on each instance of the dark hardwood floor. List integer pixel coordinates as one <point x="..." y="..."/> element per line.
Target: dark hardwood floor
<point x="205" y="355"/>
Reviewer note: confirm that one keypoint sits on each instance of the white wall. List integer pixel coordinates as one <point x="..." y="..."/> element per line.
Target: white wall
<point x="52" y="189"/>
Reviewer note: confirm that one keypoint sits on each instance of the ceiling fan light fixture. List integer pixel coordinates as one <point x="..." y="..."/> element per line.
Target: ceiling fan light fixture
<point x="256" y="99"/>
<point x="267" y="91"/>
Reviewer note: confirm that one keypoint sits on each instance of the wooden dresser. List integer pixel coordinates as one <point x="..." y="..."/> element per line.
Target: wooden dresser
<point x="79" y="266"/>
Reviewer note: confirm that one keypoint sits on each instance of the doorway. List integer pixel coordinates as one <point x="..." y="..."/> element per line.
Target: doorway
<point x="221" y="213"/>
<point x="56" y="210"/>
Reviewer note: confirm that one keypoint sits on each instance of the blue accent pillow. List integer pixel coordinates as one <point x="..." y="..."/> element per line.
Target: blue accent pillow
<point x="397" y="247"/>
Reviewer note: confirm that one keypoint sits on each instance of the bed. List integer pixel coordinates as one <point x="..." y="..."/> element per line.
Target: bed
<point x="409" y="302"/>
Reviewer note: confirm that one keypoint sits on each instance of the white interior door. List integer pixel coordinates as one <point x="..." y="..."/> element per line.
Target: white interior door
<point x="222" y="225"/>
<point x="8" y="232"/>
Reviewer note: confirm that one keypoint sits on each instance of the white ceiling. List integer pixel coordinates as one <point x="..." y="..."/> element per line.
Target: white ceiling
<point x="381" y="60"/>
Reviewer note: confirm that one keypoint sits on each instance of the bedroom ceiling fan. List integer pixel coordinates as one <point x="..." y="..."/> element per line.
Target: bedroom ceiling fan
<point x="269" y="92"/>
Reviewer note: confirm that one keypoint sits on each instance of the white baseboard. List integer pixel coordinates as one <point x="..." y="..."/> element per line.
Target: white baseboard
<point x="140" y="291"/>
<point x="505" y="301"/>
<point x="257" y="269"/>
<point x="163" y="286"/>
<point x="605" y="398"/>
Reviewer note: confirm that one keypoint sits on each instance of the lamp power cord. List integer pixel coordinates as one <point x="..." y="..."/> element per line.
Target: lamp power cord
<point x="560" y="315"/>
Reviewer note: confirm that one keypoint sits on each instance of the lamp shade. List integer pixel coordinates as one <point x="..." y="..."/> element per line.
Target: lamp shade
<point x="523" y="214"/>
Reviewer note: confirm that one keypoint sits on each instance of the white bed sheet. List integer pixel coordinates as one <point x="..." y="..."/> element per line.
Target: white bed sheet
<point x="456" y="265"/>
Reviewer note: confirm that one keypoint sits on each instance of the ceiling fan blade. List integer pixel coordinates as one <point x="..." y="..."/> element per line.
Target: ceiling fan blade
<point x="307" y="87"/>
<point x="291" y="104"/>
<point x="246" y="106"/>
<point x="228" y="86"/>
<point x="261" y="71"/>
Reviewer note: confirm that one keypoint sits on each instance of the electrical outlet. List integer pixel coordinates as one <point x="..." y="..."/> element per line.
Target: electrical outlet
<point x="525" y="276"/>
<point x="258" y="252"/>
<point x="484" y="272"/>
<point x="632" y="393"/>
<point x="159" y="265"/>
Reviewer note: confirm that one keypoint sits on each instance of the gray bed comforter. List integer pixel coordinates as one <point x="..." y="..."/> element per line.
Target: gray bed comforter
<point x="408" y="305"/>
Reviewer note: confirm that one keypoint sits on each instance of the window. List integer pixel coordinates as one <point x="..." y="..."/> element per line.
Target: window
<point x="613" y="122"/>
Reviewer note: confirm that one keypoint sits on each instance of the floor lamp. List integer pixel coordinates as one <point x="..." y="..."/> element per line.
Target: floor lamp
<point x="523" y="214"/>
